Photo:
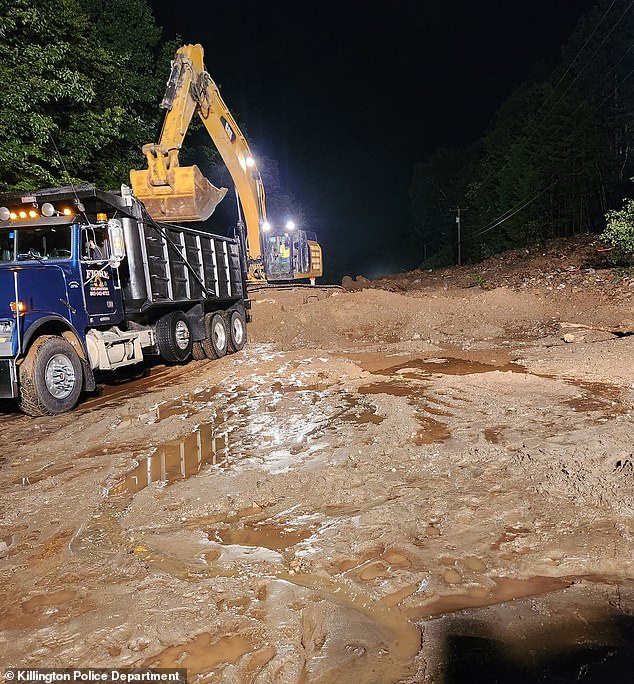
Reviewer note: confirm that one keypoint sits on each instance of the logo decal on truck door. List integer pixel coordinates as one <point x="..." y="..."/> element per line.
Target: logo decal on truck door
<point x="98" y="286"/>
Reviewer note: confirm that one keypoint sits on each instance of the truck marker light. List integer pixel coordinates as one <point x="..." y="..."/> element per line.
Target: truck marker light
<point x="22" y="214"/>
<point x="5" y="214"/>
<point x="48" y="209"/>
<point x="66" y="211"/>
<point x="102" y="218"/>
<point x="33" y="213"/>
<point x="13" y="216"/>
<point x="18" y="307"/>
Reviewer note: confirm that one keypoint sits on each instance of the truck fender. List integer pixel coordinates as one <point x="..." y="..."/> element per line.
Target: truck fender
<point x="54" y="325"/>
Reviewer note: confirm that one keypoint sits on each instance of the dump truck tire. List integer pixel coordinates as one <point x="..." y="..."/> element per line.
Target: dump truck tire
<point x="237" y="327"/>
<point x="51" y="377"/>
<point x="173" y="336"/>
<point x="215" y="344"/>
<point x="198" y="351"/>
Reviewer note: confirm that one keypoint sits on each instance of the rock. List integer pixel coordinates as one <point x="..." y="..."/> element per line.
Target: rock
<point x="138" y="644"/>
<point x="570" y="338"/>
<point x="347" y="283"/>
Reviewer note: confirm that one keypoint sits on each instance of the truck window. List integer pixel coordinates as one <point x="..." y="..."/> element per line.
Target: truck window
<point x="94" y="244"/>
<point x="41" y="243"/>
<point x="7" y="245"/>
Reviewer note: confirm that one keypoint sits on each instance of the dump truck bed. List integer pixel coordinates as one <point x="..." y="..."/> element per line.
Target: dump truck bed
<point x="170" y="263"/>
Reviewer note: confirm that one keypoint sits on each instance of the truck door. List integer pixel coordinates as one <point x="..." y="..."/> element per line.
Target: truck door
<point x="102" y="293"/>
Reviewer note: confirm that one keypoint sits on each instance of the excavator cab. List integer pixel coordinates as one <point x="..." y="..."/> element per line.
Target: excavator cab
<point x="286" y="255"/>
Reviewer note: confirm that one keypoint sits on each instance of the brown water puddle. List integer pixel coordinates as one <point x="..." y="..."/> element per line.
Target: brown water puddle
<point x="176" y="460"/>
<point x="506" y="589"/>
<point x="203" y="654"/>
<point x="267" y="535"/>
<point x="432" y="431"/>
<point x="426" y="367"/>
<point x="208" y="444"/>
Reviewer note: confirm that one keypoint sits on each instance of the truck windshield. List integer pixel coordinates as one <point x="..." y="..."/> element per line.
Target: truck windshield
<point x="35" y="243"/>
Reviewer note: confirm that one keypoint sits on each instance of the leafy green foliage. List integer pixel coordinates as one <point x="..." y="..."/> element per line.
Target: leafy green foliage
<point x="82" y="76"/>
<point x="619" y="231"/>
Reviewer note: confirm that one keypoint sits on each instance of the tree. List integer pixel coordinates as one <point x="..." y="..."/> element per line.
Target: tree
<point x="619" y="231"/>
<point x="80" y="82"/>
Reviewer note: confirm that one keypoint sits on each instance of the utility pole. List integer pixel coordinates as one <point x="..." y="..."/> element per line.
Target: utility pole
<point x="458" y="211"/>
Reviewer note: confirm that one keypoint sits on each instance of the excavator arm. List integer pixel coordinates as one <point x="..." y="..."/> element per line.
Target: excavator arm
<point x="173" y="193"/>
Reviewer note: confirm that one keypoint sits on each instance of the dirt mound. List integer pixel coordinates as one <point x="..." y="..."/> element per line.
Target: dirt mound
<point x="575" y="263"/>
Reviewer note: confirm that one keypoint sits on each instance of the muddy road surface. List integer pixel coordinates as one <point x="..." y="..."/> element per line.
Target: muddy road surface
<point x="427" y="486"/>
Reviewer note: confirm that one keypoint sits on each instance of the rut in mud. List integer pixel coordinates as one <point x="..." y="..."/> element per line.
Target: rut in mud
<point x="360" y="493"/>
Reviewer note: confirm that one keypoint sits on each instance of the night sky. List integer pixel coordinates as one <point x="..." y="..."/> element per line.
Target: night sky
<point x="347" y="96"/>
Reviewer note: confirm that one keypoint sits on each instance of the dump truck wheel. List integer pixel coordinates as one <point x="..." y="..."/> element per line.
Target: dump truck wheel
<point x="237" y="331"/>
<point x="215" y="344"/>
<point x="173" y="336"/>
<point x="51" y="377"/>
<point x="198" y="351"/>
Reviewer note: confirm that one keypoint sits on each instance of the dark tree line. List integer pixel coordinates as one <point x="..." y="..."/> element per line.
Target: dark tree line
<point x="556" y="156"/>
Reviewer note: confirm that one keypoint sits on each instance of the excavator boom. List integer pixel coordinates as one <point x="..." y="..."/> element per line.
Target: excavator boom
<point x="174" y="194"/>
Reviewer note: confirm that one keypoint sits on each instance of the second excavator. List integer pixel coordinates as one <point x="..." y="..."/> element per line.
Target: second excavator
<point x="174" y="193"/>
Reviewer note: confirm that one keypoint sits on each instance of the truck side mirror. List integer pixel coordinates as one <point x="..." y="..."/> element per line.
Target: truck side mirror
<point x="117" y="243"/>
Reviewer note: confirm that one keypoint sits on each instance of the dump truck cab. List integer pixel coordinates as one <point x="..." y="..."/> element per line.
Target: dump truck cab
<point x="88" y="281"/>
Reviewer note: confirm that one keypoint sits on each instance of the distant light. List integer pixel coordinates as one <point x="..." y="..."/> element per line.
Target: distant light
<point x="266" y="226"/>
<point x="5" y="214"/>
<point x="290" y="225"/>
<point x="48" y="209"/>
<point x="250" y="162"/>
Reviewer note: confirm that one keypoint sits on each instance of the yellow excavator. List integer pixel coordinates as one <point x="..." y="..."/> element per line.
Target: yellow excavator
<point x="174" y="193"/>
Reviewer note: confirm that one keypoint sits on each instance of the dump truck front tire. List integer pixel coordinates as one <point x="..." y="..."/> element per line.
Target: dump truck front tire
<point x="51" y="377"/>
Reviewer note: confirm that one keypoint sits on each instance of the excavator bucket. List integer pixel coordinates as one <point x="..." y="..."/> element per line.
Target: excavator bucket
<point x="188" y="197"/>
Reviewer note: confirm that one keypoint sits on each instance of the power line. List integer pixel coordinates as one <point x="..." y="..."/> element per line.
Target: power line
<point x="527" y="133"/>
<point x="506" y="218"/>
<point x="552" y="109"/>
<point x="581" y="49"/>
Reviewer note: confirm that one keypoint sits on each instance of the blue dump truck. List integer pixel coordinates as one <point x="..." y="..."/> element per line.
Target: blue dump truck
<point x="89" y="282"/>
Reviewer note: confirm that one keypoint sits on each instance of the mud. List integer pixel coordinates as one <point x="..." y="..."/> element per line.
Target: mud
<point x="379" y="488"/>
